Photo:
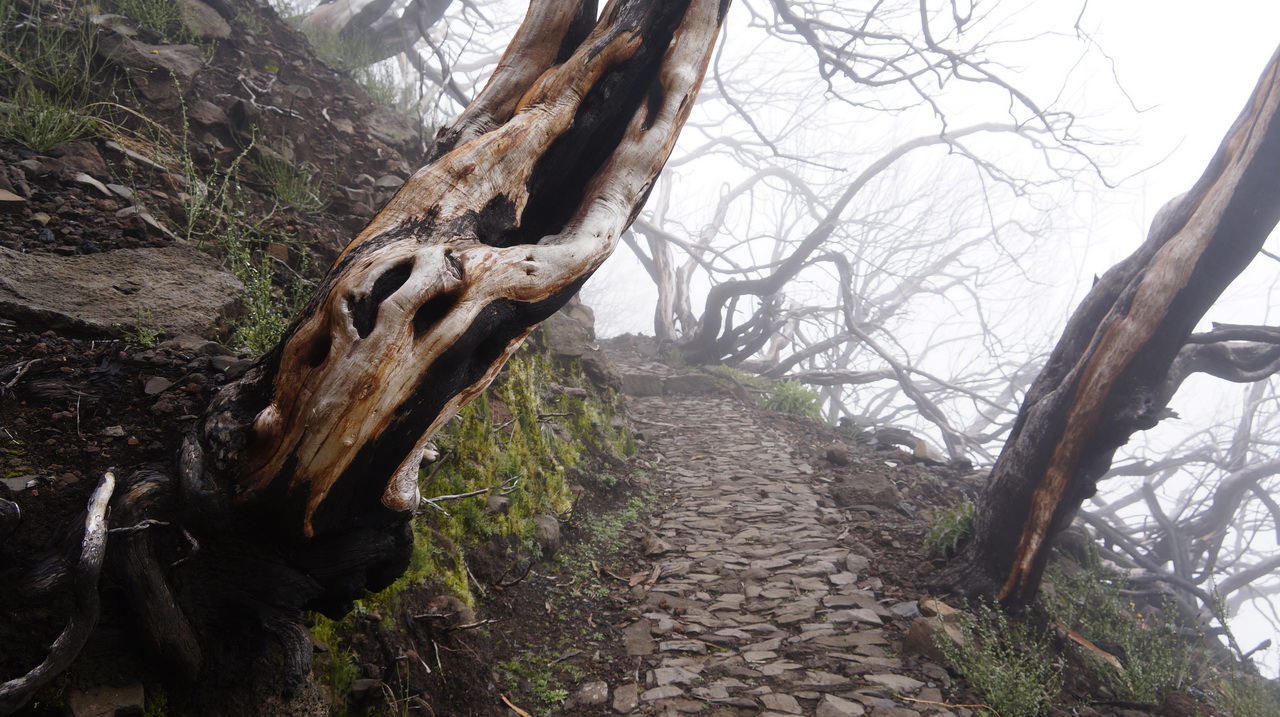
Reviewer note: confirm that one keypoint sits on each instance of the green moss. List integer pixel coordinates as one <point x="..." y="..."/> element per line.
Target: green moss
<point x="338" y="669"/>
<point x="434" y="558"/>
<point x="520" y="439"/>
<point x="537" y="671"/>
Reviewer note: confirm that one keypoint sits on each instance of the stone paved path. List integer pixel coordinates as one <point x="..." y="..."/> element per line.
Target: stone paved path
<point x="760" y="607"/>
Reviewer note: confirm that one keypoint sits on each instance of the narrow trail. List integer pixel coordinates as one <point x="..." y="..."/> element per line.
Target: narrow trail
<point x="761" y="605"/>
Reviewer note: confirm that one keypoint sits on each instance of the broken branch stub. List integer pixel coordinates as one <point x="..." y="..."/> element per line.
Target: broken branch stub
<point x="523" y="201"/>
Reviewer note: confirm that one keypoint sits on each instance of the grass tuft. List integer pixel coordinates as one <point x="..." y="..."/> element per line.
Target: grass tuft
<point x="47" y="54"/>
<point x="42" y="123"/>
<point x="949" y="531"/>
<point x="162" y="16"/>
<point x="293" y="184"/>
<point x="793" y="397"/>
<point x="1006" y="663"/>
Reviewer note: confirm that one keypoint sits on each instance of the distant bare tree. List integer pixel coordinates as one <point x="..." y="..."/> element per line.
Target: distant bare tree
<point x="752" y="274"/>
<point x="1201" y="524"/>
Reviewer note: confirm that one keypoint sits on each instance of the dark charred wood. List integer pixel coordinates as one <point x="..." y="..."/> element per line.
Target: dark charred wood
<point x="10" y="518"/>
<point x="135" y="561"/>
<point x="1105" y="378"/>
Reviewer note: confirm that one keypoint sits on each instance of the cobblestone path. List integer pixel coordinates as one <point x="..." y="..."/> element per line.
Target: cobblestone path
<point x="760" y="606"/>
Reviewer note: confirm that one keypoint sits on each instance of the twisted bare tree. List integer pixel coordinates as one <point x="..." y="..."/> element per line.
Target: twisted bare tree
<point x="1124" y="352"/>
<point x="295" y="490"/>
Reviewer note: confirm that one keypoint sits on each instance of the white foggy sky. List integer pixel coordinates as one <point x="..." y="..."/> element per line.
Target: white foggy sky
<point x="1187" y="67"/>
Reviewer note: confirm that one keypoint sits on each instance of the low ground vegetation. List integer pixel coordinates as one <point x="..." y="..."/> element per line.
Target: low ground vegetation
<point x="509" y="464"/>
<point x="1090" y="642"/>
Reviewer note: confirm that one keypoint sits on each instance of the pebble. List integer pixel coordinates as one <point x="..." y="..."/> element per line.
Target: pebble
<point x="593" y="693"/>
<point x="626" y="698"/>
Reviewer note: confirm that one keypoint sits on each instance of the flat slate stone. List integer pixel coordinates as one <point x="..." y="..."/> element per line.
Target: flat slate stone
<point x="626" y="698"/>
<point x="641" y="384"/>
<point x="832" y="706"/>
<point x="899" y="683"/>
<point x="175" y="289"/>
<point x="683" y="646"/>
<point x="663" y="676"/>
<point x="593" y="693"/>
<point x="861" y="615"/>
<point x="636" y="638"/>
<point x="779" y="702"/>
<point x="661" y="693"/>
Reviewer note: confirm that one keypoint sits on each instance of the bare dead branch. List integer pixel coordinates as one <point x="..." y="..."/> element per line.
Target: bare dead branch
<point x="15" y="693"/>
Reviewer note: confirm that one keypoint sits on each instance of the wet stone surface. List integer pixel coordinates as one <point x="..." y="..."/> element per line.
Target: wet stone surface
<point x="762" y="606"/>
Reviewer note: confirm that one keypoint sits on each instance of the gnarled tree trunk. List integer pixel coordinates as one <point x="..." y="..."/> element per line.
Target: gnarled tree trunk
<point x="1108" y="375"/>
<point x="296" y="488"/>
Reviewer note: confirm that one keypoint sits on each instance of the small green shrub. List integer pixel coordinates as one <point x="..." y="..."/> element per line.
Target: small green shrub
<point x="744" y="379"/>
<point x="850" y="429"/>
<point x="1006" y="663"/>
<point x="216" y="217"/>
<point x="1248" y="696"/>
<point x="383" y="83"/>
<point x="341" y="53"/>
<point x="261" y="325"/>
<point x="42" y="123"/>
<point x="949" y="531"/>
<point x="162" y="16"/>
<point x="157" y="702"/>
<point x="294" y="185"/>
<point x="143" y="332"/>
<point x="1156" y="659"/>
<point x="793" y="397"/>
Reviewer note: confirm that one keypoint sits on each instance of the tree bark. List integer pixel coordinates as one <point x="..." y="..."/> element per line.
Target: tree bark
<point x="1103" y="381"/>
<point x="526" y="197"/>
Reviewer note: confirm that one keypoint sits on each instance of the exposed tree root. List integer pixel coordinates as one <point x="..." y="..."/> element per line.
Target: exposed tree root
<point x="15" y="693"/>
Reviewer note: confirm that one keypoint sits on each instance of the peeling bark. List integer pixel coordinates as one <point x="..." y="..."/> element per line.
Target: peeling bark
<point x="295" y="489"/>
<point x="1104" y="379"/>
<point x="527" y="196"/>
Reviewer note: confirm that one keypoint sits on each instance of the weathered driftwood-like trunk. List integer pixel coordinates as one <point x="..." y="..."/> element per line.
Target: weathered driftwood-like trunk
<point x="319" y="446"/>
<point x="1106" y="378"/>
<point x="296" y="488"/>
